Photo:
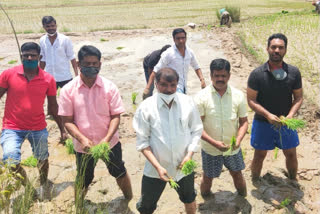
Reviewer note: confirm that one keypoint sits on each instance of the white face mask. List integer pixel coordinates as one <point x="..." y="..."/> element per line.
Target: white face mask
<point x="52" y="34"/>
<point x="167" y="98"/>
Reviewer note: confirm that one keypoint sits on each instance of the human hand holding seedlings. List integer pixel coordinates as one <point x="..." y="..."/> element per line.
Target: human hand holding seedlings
<point x="163" y="174"/>
<point x="87" y="144"/>
<point x="185" y="159"/>
<point x="274" y="120"/>
<point x="221" y="146"/>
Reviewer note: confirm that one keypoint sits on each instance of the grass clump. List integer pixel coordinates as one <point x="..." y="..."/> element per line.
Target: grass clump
<point x="188" y="167"/>
<point x="232" y="144"/>
<point x="292" y="123"/>
<point x="134" y="97"/>
<point x="285" y="202"/>
<point x="30" y="161"/>
<point x="173" y="184"/>
<point x="104" y="40"/>
<point x="234" y="12"/>
<point x="119" y="48"/>
<point x="12" y="61"/>
<point x="100" y="151"/>
<point x="69" y="146"/>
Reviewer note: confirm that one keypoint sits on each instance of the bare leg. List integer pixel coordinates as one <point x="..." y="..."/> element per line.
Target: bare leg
<point x="291" y="162"/>
<point x="125" y="185"/>
<point x="190" y="207"/>
<point x="257" y="162"/>
<point x="239" y="182"/>
<point x="206" y="184"/>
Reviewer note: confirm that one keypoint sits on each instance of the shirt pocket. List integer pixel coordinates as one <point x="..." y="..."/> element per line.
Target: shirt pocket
<point x="102" y="106"/>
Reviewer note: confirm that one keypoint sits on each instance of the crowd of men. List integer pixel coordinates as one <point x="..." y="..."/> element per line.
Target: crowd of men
<point x="169" y="124"/>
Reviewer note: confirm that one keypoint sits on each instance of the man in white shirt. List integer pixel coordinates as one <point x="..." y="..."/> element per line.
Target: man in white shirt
<point x="168" y="128"/>
<point x="56" y="52"/>
<point x="178" y="57"/>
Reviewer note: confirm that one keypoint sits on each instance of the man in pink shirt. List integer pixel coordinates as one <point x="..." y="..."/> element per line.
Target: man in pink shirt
<point x="27" y="86"/>
<point x="90" y="106"/>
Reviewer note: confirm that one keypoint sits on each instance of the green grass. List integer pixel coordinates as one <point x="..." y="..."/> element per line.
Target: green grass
<point x="188" y="167"/>
<point x="103" y="40"/>
<point x="28" y="31"/>
<point x="285" y="202"/>
<point x="30" y="162"/>
<point x="14" y="61"/>
<point x="119" y="48"/>
<point x="134" y="97"/>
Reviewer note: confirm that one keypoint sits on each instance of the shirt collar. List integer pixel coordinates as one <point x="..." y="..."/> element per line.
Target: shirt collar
<point x="47" y="37"/>
<point x="266" y="66"/>
<point x="98" y="82"/>
<point x="213" y="90"/>
<point x="38" y="76"/>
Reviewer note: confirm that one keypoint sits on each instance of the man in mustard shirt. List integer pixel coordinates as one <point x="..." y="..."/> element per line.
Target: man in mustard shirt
<point x="223" y="111"/>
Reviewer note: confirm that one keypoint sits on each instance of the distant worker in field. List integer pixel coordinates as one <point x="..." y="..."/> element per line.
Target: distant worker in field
<point x="270" y="90"/>
<point x="149" y="62"/>
<point x="317" y="5"/>
<point x="225" y="18"/>
<point x="90" y="107"/>
<point x="168" y="128"/>
<point x="178" y="57"/>
<point x="223" y="110"/>
<point x="56" y="55"/>
<point x="27" y="86"/>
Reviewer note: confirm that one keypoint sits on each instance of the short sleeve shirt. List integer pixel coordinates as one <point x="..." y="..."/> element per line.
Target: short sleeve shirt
<point x="274" y="95"/>
<point x="152" y="59"/>
<point x="91" y="108"/>
<point x="221" y="115"/>
<point x="25" y="99"/>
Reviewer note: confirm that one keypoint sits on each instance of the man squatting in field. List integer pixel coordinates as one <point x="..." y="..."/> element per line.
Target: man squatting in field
<point x="223" y="110"/>
<point x="269" y="93"/>
<point x="178" y="57"/>
<point x="168" y="128"/>
<point x="55" y="56"/>
<point x="27" y="86"/>
<point x="90" y="107"/>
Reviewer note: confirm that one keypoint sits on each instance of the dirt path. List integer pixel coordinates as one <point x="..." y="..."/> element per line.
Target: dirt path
<point x="124" y="67"/>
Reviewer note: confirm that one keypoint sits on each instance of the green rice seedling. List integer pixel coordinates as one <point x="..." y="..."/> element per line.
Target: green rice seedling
<point x="100" y="151"/>
<point x="188" y="167"/>
<point x="232" y="144"/>
<point x="134" y="97"/>
<point x="292" y="123"/>
<point x="30" y="161"/>
<point x="69" y="146"/>
<point x="103" y="40"/>
<point x="173" y="184"/>
<point x="276" y="150"/>
<point x="12" y="61"/>
<point x="285" y="202"/>
<point x="119" y="48"/>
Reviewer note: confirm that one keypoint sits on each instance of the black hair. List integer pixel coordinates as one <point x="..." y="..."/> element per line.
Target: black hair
<point x="168" y="74"/>
<point x="164" y="48"/>
<point x="30" y="46"/>
<point x="219" y="64"/>
<point x="88" y="50"/>
<point x="178" y="30"/>
<point x="47" y="20"/>
<point x="278" y="36"/>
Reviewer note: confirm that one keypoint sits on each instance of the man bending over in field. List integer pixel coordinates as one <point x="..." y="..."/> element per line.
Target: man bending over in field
<point x="270" y="90"/>
<point x="90" y="106"/>
<point x="27" y="86"/>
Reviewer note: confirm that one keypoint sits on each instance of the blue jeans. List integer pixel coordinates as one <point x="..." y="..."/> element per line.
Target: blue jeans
<point x="11" y="142"/>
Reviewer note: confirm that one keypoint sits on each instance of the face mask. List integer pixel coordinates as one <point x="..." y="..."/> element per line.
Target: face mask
<point x="167" y="98"/>
<point x="52" y="34"/>
<point x="89" y="72"/>
<point x="30" y="64"/>
<point x="279" y="74"/>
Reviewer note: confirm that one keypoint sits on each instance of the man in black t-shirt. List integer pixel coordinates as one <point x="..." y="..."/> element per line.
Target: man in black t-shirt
<point x="271" y="88"/>
<point x="149" y="62"/>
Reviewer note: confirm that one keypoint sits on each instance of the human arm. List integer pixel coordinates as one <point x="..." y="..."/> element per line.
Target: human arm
<point x="297" y="102"/>
<point x="74" y="131"/>
<point x="259" y="109"/>
<point x="2" y="91"/>
<point x="113" y="127"/>
<point x="199" y="74"/>
<point x="242" y="130"/>
<point x="74" y="66"/>
<point x="53" y="110"/>
<point x="150" y="82"/>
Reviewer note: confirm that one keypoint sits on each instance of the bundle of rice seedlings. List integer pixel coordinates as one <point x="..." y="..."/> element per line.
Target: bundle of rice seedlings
<point x="69" y="146"/>
<point x="134" y="97"/>
<point x="188" y="167"/>
<point x="100" y="151"/>
<point x="292" y="123"/>
<point x="173" y="184"/>
<point x="30" y="161"/>
<point x="232" y="144"/>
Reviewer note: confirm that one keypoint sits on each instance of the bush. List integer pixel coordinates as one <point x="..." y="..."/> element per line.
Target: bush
<point x="234" y="12"/>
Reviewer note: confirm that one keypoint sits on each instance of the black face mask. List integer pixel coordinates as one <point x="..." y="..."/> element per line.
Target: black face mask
<point x="89" y="72"/>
